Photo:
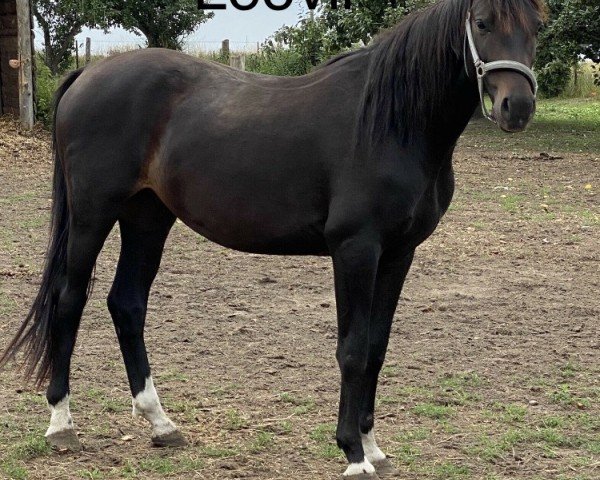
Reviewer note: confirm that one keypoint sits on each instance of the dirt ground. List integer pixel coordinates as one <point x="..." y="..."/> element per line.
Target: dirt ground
<point x="493" y="365"/>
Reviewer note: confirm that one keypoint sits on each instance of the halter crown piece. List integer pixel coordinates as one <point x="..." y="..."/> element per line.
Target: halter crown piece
<point x="482" y="68"/>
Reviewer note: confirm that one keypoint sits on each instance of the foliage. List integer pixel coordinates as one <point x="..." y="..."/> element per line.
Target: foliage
<point x="553" y="78"/>
<point x="46" y="84"/>
<point x="278" y="61"/>
<point x="318" y="37"/>
<point x="61" y="21"/>
<point x="164" y="23"/>
<point x="307" y="39"/>
<point x="366" y="18"/>
<point x="573" y="31"/>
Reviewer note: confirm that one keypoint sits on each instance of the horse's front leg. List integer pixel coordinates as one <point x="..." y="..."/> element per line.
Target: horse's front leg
<point x="355" y="262"/>
<point x="392" y="270"/>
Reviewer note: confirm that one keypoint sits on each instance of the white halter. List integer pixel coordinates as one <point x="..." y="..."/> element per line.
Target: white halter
<point x="482" y="68"/>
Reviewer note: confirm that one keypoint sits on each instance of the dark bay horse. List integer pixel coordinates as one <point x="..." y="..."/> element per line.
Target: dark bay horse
<point x="353" y="161"/>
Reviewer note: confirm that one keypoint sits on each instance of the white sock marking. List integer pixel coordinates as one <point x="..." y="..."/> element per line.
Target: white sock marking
<point x="372" y="451"/>
<point x="146" y="404"/>
<point x="60" y="417"/>
<point x="358" y="468"/>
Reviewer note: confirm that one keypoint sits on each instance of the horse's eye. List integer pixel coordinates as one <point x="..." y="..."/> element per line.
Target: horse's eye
<point x="480" y="24"/>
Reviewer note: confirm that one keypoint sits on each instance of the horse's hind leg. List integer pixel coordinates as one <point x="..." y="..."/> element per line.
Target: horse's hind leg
<point x="144" y="226"/>
<point x="84" y="244"/>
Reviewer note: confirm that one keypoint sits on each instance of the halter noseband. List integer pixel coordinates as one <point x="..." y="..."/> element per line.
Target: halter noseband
<point x="482" y="68"/>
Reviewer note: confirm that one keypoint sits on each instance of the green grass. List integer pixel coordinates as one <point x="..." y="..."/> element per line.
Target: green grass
<point x="263" y="441"/>
<point x="561" y="125"/>
<point x="218" y="452"/>
<point x="323" y="437"/>
<point x="32" y="446"/>
<point x="302" y="405"/>
<point x="7" y="304"/>
<point x="13" y="470"/>
<point x="165" y="466"/>
<point x="430" y="410"/>
<point x="235" y="420"/>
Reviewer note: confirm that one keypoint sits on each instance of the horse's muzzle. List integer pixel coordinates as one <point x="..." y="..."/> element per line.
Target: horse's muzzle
<point x="516" y="111"/>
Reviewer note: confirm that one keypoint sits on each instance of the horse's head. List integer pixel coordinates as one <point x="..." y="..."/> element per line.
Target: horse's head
<point x="500" y="48"/>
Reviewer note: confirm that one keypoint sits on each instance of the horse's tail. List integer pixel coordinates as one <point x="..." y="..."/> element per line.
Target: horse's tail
<point x="35" y="334"/>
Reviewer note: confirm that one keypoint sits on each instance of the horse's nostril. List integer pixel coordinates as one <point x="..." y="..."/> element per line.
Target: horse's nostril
<point x="506" y="108"/>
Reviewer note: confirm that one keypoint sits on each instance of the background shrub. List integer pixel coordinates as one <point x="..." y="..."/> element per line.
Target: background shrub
<point x="46" y="85"/>
<point x="553" y="78"/>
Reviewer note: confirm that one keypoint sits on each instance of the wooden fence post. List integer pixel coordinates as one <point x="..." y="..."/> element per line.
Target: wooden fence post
<point x="238" y="60"/>
<point x="88" y="50"/>
<point x="25" y="64"/>
<point x="76" y="54"/>
<point x="225" y="49"/>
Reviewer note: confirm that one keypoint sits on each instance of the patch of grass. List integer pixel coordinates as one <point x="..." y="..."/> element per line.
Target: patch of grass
<point x="407" y="454"/>
<point x="563" y="396"/>
<point x="590" y="218"/>
<point x="430" y="410"/>
<point x="113" y="405"/>
<point x="324" y="437"/>
<point x="13" y="470"/>
<point x="390" y="371"/>
<point x="303" y="405"/>
<point x="458" y="388"/>
<point x="592" y="446"/>
<point x="224" y="390"/>
<point x="511" y="203"/>
<point x="387" y="400"/>
<point x="510" y="412"/>
<point x="465" y="379"/>
<point x="93" y="474"/>
<point x="449" y="471"/>
<point x="552" y="421"/>
<point x="490" y="448"/>
<point x="7" y="304"/>
<point x="414" y="393"/>
<point x="32" y="446"/>
<point x="587" y="422"/>
<point x="35" y="223"/>
<point x="568" y="370"/>
<point x="262" y="441"/>
<point x="166" y="466"/>
<point x="218" y="452"/>
<point x="416" y="435"/>
<point x="235" y="420"/>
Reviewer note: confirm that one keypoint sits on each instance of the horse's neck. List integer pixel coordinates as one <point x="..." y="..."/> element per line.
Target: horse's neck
<point x="454" y="114"/>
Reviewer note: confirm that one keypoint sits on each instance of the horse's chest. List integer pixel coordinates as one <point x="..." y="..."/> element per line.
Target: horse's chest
<point x="423" y="209"/>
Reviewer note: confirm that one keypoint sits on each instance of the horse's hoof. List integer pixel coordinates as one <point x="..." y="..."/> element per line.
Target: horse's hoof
<point x="172" y="439"/>
<point x="65" y="440"/>
<point x="385" y="468"/>
<point x="360" y="476"/>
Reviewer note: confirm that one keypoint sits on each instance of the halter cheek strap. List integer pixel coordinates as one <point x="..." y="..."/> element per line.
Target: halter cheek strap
<point x="482" y="68"/>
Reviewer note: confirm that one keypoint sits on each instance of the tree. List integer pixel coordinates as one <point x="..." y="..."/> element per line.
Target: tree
<point x="332" y="31"/>
<point x="164" y="23"/>
<point x="366" y="19"/>
<point x="573" y="32"/>
<point x="61" y="21"/>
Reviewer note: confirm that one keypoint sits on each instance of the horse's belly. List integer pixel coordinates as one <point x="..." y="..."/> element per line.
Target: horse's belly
<point x="260" y="237"/>
<point x="249" y="215"/>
